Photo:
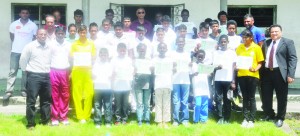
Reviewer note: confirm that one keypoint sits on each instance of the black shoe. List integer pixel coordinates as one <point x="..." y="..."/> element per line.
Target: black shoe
<point x="267" y="118"/>
<point x="23" y="94"/>
<point x="279" y="123"/>
<point x="6" y="99"/>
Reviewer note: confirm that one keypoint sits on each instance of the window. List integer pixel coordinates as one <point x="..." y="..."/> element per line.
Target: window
<point x="38" y="12"/>
<point x="264" y="16"/>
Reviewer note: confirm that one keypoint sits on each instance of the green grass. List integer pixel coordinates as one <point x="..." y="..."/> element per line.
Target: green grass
<point x="14" y="125"/>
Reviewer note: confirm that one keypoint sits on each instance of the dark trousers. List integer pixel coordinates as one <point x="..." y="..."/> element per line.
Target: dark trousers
<point x="121" y="99"/>
<point x="38" y="84"/>
<point x="222" y="88"/>
<point x="103" y="98"/>
<point x="273" y="80"/>
<point x="248" y="87"/>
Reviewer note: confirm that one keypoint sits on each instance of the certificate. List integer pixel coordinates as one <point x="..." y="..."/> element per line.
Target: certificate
<point x="143" y="66"/>
<point x="190" y="45"/>
<point x="208" y="45"/>
<point x="163" y="68"/>
<point x="244" y="62"/>
<point x="182" y="66"/>
<point x="205" y="69"/>
<point x="123" y="73"/>
<point x="82" y="59"/>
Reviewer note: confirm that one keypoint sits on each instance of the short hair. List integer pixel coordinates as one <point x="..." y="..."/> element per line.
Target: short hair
<point x="160" y="29"/>
<point x="109" y="11"/>
<point x="275" y="25"/>
<point x="162" y="44"/>
<point x="166" y="18"/>
<point x="198" y="52"/>
<point x="121" y="46"/>
<point x="203" y="25"/>
<point x="103" y="50"/>
<point x="248" y="16"/>
<point x="140" y="45"/>
<point x="223" y="36"/>
<point x="231" y="22"/>
<point x="222" y="13"/>
<point x="213" y="22"/>
<point x="106" y="20"/>
<point x="180" y="27"/>
<point x="208" y="20"/>
<point x="24" y="8"/>
<point x="126" y="18"/>
<point x="118" y="24"/>
<point x="141" y="9"/>
<point x="78" y="12"/>
<point x="71" y="25"/>
<point x="185" y="10"/>
<point x="49" y="15"/>
<point x="247" y="33"/>
<point x="82" y="28"/>
<point x="60" y="28"/>
<point x="140" y="28"/>
<point x="93" y="25"/>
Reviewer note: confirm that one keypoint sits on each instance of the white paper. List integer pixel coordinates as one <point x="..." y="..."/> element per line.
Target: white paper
<point x="244" y="62"/>
<point x="143" y="66"/>
<point x="182" y="66"/>
<point x="123" y="73"/>
<point x="163" y="68"/>
<point x="208" y="45"/>
<point x="190" y="45"/>
<point x="82" y="59"/>
<point x="205" y="69"/>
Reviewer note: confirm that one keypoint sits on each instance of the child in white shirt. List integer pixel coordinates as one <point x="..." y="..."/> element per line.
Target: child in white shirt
<point x="102" y="75"/>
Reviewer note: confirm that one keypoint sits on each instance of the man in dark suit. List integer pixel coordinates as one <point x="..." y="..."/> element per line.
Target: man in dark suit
<point x="278" y="71"/>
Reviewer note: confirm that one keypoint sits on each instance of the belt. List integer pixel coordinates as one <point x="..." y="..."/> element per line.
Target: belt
<point x="272" y="69"/>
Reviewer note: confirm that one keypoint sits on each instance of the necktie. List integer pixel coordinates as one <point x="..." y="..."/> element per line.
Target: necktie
<point x="270" y="65"/>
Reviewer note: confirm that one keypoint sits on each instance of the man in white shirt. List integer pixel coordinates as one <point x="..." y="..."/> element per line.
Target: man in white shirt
<point x="35" y="60"/>
<point x="22" y="31"/>
<point x="191" y="27"/>
<point x="50" y="28"/>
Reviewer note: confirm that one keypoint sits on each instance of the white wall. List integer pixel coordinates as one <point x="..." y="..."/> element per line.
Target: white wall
<point x="287" y="16"/>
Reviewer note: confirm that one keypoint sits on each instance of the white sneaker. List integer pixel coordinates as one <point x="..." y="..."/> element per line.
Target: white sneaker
<point x="97" y="126"/>
<point x="66" y="122"/>
<point x="244" y="123"/>
<point x="250" y="124"/>
<point x="83" y="121"/>
<point x="55" y="123"/>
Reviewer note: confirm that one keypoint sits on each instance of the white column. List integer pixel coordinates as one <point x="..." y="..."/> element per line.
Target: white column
<point x="223" y="5"/>
<point x="86" y="12"/>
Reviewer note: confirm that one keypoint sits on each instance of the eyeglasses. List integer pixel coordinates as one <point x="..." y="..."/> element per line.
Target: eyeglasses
<point x="141" y="12"/>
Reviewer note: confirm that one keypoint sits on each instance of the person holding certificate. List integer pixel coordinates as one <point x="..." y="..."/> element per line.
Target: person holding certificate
<point x="141" y="84"/>
<point x="121" y="85"/>
<point x="249" y="61"/>
<point x="83" y="54"/>
<point x="181" y="83"/>
<point x="223" y="78"/>
<point x="163" y="70"/>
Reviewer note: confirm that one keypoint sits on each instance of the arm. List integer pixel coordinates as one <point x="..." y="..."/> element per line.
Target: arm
<point x="25" y="57"/>
<point x="12" y="36"/>
<point x="291" y="61"/>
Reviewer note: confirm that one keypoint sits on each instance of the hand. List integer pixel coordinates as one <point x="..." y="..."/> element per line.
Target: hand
<point x="219" y="67"/>
<point x="251" y="69"/>
<point x="290" y="80"/>
<point x="195" y="74"/>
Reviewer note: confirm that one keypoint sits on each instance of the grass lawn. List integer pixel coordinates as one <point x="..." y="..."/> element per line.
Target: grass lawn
<point x="14" y="125"/>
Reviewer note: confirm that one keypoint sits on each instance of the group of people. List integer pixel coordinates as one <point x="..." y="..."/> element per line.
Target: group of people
<point x="125" y="64"/>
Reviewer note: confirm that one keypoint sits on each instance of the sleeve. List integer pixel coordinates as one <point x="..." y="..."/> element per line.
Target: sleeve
<point x="259" y="54"/>
<point x="12" y="28"/>
<point x="35" y="28"/>
<point x="25" y="56"/>
<point x="93" y="51"/>
<point x="260" y="36"/>
<point x="291" y="59"/>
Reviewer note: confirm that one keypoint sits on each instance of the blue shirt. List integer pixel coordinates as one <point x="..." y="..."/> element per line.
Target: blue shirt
<point x="258" y="35"/>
